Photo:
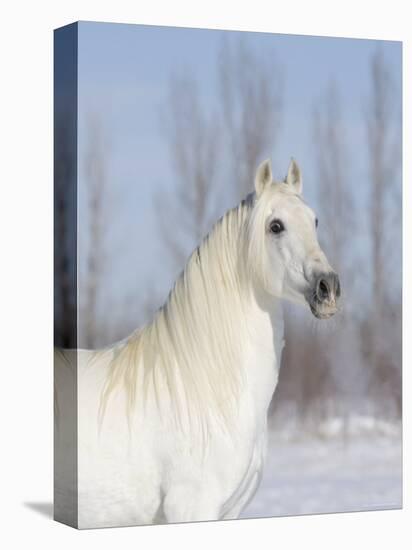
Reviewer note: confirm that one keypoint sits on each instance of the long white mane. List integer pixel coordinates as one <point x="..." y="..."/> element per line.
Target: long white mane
<point x="194" y="345"/>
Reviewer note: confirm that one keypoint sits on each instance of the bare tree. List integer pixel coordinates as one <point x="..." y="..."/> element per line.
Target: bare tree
<point x="334" y="194"/>
<point x="306" y="385"/>
<point x="336" y="213"/>
<point x="65" y="240"/>
<point x="383" y="137"/>
<point x="245" y="127"/>
<point x="193" y="140"/>
<point x="383" y="133"/>
<point x="251" y="106"/>
<point x="96" y="183"/>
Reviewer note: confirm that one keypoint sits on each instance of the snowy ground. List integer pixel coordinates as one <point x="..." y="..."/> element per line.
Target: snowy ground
<point x="331" y="473"/>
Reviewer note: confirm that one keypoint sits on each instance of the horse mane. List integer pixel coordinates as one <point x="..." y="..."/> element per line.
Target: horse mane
<point x="194" y="345"/>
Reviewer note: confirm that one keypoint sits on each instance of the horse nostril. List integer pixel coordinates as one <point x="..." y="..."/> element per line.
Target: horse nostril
<point x="323" y="289"/>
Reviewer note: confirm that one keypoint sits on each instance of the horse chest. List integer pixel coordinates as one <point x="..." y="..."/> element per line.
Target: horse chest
<point x="239" y="464"/>
<point x="249" y="480"/>
<point x="263" y="362"/>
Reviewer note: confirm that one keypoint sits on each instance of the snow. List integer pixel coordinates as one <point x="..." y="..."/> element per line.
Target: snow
<point x="344" y="467"/>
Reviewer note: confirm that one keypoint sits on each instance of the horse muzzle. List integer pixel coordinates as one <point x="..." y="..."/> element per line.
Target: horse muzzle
<point x="324" y="294"/>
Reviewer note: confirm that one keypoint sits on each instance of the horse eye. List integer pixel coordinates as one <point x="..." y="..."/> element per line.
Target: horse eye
<point x="316" y="222"/>
<point x="277" y="227"/>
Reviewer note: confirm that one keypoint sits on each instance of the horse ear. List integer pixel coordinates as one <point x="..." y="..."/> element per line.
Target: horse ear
<point x="294" y="176"/>
<point x="263" y="177"/>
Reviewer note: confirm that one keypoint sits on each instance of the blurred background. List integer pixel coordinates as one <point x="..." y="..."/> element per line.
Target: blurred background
<point x="172" y="124"/>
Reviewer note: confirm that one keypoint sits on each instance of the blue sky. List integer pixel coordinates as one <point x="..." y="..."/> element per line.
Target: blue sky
<point x="124" y="71"/>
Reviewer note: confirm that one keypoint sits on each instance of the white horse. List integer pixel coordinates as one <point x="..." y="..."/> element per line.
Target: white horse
<point x="171" y="423"/>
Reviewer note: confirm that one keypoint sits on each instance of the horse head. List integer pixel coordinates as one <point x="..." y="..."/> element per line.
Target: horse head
<point x="286" y="256"/>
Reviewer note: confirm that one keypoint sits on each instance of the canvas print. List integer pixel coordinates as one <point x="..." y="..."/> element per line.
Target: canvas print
<point x="228" y="275"/>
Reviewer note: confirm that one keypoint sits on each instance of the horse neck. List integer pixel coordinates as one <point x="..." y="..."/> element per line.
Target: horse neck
<point x="266" y="342"/>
